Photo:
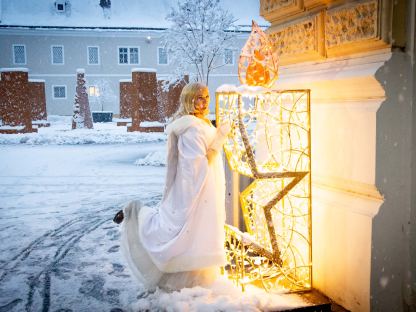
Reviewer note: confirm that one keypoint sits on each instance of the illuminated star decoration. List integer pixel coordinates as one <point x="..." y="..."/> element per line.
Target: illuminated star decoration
<point x="270" y="143"/>
<point x="297" y="176"/>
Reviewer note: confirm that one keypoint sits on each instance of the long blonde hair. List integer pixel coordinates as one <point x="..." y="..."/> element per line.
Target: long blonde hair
<point x="186" y="106"/>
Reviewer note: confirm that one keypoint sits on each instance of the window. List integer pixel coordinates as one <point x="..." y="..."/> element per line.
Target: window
<point x="134" y="55"/>
<point x="93" y="56"/>
<point x="123" y="57"/>
<point x="93" y="91"/>
<point x="162" y="56"/>
<point x="228" y="57"/>
<point x="19" y="54"/>
<point x="57" y="55"/>
<point x="60" y="6"/>
<point x="128" y="55"/>
<point x="59" y="92"/>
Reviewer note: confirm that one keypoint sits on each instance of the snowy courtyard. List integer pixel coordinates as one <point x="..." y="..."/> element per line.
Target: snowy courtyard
<point x="59" y="191"/>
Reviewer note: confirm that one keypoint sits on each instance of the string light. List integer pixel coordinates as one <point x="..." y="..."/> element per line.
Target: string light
<point x="270" y="143"/>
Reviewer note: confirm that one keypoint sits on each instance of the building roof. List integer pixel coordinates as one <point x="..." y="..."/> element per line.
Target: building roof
<point x="124" y="14"/>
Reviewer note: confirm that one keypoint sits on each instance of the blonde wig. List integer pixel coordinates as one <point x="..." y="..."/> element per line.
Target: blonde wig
<point x="186" y="99"/>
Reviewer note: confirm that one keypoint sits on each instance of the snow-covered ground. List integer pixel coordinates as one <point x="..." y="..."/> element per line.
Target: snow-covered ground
<point x="59" y="190"/>
<point x="60" y="133"/>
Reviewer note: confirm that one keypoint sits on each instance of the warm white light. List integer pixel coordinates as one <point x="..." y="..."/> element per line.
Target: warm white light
<point x="270" y="142"/>
<point x="93" y="91"/>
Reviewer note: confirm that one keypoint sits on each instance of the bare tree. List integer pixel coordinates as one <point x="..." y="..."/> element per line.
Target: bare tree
<point x="201" y="31"/>
<point x="106" y="92"/>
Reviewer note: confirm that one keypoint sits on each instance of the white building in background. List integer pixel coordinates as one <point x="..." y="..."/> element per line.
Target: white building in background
<point x="54" y="38"/>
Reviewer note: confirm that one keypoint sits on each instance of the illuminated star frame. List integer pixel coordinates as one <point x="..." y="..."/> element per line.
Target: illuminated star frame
<point x="270" y="143"/>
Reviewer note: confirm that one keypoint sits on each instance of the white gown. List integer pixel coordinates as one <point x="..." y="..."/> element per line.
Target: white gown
<point x="181" y="242"/>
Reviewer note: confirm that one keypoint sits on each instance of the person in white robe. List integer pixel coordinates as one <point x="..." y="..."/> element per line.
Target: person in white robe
<point x="180" y="243"/>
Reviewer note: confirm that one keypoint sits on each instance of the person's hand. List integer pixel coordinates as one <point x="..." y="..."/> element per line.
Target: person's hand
<point x="221" y="134"/>
<point x="224" y="128"/>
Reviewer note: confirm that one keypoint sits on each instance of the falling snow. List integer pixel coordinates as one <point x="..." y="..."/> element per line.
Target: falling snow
<point x="60" y="249"/>
<point x="384" y="280"/>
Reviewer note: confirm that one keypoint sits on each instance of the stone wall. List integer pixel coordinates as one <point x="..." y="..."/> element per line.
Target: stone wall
<point x="125" y="99"/>
<point x="143" y="98"/>
<point x="21" y="101"/>
<point x="168" y="100"/>
<point x="356" y="58"/>
<point x="37" y="99"/>
<point x="143" y="90"/>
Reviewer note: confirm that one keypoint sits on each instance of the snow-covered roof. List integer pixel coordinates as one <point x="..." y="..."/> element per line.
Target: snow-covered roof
<point x="123" y="13"/>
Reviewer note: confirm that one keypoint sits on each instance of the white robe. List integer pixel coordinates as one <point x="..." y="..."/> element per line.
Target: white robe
<point x="186" y="232"/>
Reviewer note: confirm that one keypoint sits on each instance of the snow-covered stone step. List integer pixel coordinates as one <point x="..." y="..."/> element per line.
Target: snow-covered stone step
<point x="314" y="302"/>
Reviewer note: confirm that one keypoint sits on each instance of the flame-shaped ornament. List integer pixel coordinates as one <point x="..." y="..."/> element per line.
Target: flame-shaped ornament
<point x="258" y="65"/>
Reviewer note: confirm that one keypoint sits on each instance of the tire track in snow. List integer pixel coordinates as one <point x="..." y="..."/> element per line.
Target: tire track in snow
<point x="45" y="253"/>
<point x="35" y="282"/>
<point x="64" y="237"/>
<point x="25" y="252"/>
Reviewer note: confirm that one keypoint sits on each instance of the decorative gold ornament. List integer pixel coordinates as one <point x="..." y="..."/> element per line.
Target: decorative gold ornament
<point x="258" y="61"/>
<point x="270" y="142"/>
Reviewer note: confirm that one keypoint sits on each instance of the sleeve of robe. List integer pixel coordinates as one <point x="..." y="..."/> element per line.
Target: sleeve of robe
<point x="167" y="232"/>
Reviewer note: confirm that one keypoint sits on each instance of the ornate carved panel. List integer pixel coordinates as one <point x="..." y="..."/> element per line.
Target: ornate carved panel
<point x="271" y="5"/>
<point x="355" y="28"/>
<point x="327" y="28"/>
<point x="301" y="41"/>
<point x="273" y="10"/>
<point x="314" y="3"/>
<point x="351" y="24"/>
<point x="280" y="11"/>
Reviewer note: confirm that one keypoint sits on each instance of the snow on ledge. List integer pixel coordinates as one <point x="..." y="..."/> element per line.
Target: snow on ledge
<point x="80" y="71"/>
<point x="243" y="89"/>
<point x="151" y="124"/>
<point x="15" y="69"/>
<point x="122" y="120"/>
<point x="253" y="90"/>
<point x="124" y="80"/>
<point x="36" y="80"/>
<point x="12" y="127"/>
<point x="144" y="70"/>
<point x="227" y="88"/>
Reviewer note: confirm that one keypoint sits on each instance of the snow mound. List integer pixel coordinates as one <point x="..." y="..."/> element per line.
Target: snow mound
<point x="80" y="136"/>
<point x="222" y="296"/>
<point x="60" y="133"/>
<point x="156" y="159"/>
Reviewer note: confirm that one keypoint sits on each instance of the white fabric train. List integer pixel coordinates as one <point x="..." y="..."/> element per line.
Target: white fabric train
<point x="186" y="232"/>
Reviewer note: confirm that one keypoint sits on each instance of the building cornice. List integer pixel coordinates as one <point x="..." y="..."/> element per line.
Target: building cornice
<point x="98" y="28"/>
<point x="87" y="30"/>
